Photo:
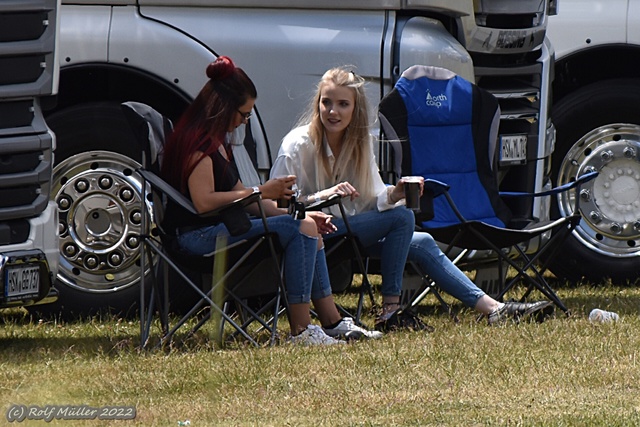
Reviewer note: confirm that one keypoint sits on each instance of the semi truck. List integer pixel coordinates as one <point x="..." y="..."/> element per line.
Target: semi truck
<point x="156" y="51"/>
<point x="28" y="218"/>
<point x="596" y="112"/>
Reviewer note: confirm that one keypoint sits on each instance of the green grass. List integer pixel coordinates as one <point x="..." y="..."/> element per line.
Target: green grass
<point x="563" y="372"/>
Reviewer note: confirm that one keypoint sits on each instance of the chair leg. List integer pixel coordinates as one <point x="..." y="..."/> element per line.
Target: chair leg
<point x="429" y="285"/>
<point x="366" y="288"/>
<point x="528" y="265"/>
<point x="540" y="284"/>
<point x="158" y="295"/>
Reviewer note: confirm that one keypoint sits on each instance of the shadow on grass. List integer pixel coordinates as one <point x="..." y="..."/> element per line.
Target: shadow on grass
<point x="26" y="347"/>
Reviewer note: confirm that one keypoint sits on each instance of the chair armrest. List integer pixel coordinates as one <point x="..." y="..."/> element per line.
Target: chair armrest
<point x="436" y="187"/>
<point x="179" y="198"/>
<point x="556" y="190"/>
<point x="330" y="201"/>
<point x="243" y="202"/>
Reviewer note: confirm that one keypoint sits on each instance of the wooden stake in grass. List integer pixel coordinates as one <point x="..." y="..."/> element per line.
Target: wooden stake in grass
<point x="217" y="292"/>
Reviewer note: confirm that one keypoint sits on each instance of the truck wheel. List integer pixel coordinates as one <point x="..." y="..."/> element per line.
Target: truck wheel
<point x="598" y="128"/>
<point x="99" y="204"/>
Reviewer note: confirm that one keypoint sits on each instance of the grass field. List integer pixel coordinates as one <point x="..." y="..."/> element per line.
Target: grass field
<point x="563" y="372"/>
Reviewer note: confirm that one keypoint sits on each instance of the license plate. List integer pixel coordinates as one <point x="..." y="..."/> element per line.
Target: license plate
<point x="22" y="281"/>
<point x="513" y="149"/>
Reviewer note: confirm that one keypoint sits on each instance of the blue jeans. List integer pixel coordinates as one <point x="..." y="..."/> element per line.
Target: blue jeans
<point x="302" y="259"/>
<point x="385" y="235"/>
<point x="426" y="253"/>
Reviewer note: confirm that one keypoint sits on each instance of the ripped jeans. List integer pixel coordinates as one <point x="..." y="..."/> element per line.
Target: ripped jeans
<point x="385" y="235"/>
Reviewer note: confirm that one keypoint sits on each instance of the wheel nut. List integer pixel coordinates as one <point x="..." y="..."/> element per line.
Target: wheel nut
<point x="82" y="186"/>
<point x="132" y="242"/>
<point x="126" y="194"/>
<point x="70" y="250"/>
<point x="615" y="228"/>
<point x="636" y="225"/>
<point x="606" y="156"/>
<point x="115" y="259"/>
<point x="105" y="182"/>
<point x="91" y="262"/>
<point x="585" y="195"/>
<point x="629" y="152"/>
<point x="595" y="217"/>
<point x="64" y="203"/>
<point x="136" y="217"/>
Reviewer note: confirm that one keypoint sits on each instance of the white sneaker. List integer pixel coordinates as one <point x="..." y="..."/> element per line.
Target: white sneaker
<point x="314" y="335"/>
<point x="350" y="331"/>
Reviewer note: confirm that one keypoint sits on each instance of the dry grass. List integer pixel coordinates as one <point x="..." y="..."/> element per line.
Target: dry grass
<point x="564" y="372"/>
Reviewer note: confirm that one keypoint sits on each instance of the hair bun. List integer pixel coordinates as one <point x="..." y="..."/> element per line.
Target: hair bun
<point x="221" y="68"/>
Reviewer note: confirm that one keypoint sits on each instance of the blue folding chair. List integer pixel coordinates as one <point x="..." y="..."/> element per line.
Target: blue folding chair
<point x="445" y="129"/>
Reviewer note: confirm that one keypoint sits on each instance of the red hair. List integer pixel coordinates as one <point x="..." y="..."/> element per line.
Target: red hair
<point x="204" y="125"/>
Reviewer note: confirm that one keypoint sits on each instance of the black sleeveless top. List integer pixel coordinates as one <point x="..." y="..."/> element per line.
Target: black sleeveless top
<point x="226" y="176"/>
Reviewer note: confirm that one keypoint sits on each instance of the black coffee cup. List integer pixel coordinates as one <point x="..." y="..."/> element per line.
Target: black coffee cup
<point x="412" y="191"/>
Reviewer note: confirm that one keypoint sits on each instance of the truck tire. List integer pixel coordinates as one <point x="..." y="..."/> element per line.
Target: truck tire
<point x="98" y="197"/>
<point x="598" y="128"/>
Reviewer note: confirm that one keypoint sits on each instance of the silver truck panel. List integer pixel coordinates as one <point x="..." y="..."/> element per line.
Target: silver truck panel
<point x="450" y="7"/>
<point x="44" y="236"/>
<point x="158" y="49"/>
<point x="633" y="23"/>
<point x="426" y="41"/>
<point x="262" y="43"/>
<point x="84" y="34"/>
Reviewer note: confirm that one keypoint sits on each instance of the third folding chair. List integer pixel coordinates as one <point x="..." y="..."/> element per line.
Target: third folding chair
<point x="445" y="129"/>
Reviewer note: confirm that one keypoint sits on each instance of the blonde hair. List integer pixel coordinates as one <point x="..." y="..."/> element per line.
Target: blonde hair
<point x="353" y="164"/>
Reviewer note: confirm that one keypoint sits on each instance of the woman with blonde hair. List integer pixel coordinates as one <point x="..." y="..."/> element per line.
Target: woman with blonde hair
<point x="331" y="152"/>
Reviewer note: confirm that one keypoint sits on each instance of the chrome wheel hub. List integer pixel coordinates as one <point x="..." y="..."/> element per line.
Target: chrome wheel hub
<point x="609" y="204"/>
<point x="99" y="203"/>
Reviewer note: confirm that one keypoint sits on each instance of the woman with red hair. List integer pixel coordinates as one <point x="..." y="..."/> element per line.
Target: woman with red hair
<point x="198" y="161"/>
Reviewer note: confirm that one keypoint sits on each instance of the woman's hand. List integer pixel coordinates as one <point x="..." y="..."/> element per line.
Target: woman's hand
<point x="398" y="193"/>
<point x="323" y="221"/>
<point x="344" y="189"/>
<point x="277" y="188"/>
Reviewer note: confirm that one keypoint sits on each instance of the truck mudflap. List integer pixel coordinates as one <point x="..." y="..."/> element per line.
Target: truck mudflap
<point x="26" y="279"/>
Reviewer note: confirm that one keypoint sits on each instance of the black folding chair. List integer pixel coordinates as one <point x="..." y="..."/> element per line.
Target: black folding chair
<point x="226" y="281"/>
<point x="342" y="252"/>
<point x="445" y="129"/>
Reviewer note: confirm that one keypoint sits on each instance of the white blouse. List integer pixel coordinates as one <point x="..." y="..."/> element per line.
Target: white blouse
<point x="297" y="157"/>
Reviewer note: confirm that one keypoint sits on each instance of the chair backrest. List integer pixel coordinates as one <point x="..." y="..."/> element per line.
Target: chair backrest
<point x="150" y="129"/>
<point x="444" y="127"/>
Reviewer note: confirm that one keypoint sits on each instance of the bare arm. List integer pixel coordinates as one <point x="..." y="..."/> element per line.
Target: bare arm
<point x="205" y="198"/>
<point x="202" y="188"/>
